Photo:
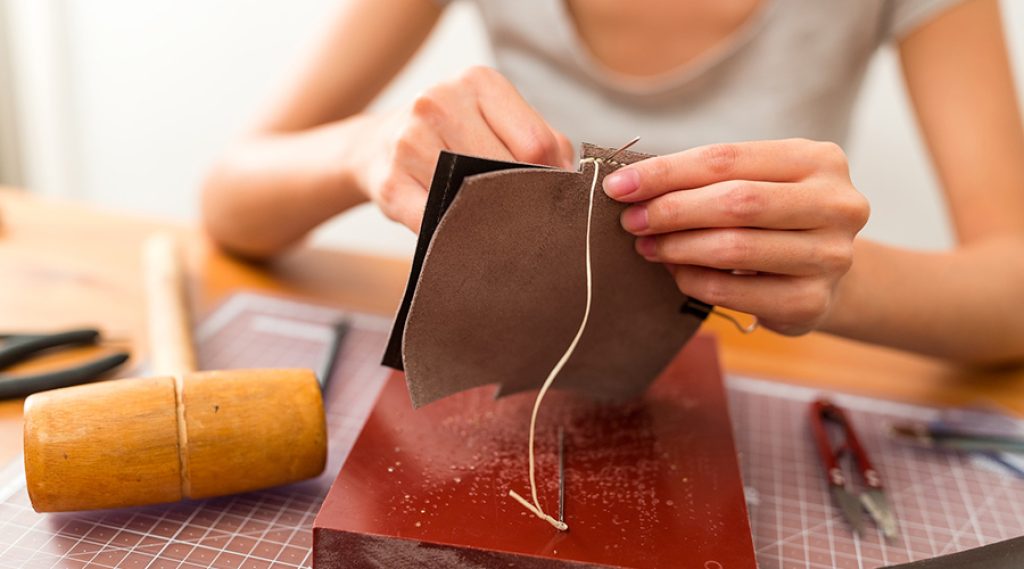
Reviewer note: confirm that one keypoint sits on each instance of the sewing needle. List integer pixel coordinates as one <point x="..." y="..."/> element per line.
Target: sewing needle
<point x="561" y="474"/>
<point x="623" y="147"/>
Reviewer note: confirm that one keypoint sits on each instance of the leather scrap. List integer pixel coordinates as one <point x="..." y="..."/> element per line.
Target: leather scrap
<point x="1007" y="554"/>
<point x="499" y="290"/>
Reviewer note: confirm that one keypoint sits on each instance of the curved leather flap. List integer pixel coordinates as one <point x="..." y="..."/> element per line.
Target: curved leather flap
<point x="502" y="291"/>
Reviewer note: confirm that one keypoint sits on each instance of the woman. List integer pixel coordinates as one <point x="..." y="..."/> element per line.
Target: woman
<point x="750" y="204"/>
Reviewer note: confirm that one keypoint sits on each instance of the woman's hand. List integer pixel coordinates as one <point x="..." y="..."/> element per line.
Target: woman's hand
<point x="480" y="113"/>
<point x="765" y="228"/>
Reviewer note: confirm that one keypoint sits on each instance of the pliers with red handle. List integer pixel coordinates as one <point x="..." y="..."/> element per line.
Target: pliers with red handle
<point x="872" y="498"/>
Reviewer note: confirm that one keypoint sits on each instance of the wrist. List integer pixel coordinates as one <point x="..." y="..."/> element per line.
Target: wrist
<point x="848" y="309"/>
<point x="337" y="149"/>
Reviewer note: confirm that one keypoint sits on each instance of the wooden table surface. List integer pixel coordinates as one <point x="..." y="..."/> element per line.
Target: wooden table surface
<point x="64" y="265"/>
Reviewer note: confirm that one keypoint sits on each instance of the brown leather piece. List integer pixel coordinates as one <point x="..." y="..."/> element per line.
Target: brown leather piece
<point x="502" y="291"/>
<point x="450" y="171"/>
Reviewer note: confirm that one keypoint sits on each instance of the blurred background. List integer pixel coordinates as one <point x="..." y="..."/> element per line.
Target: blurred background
<point x="124" y="104"/>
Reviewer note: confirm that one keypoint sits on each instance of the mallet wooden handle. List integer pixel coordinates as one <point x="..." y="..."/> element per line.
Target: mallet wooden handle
<point x="132" y="442"/>
<point x="185" y="434"/>
<point x="169" y="328"/>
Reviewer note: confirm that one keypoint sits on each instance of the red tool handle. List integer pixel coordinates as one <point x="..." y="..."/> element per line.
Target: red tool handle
<point x="828" y="455"/>
<point x="828" y="410"/>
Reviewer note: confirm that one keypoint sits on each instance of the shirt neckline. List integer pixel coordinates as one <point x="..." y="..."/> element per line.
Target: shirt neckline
<point x="665" y="81"/>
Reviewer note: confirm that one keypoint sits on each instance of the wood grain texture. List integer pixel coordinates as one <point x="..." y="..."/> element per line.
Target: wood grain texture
<point x="65" y="264"/>
<point x="102" y="445"/>
<point x="168" y="322"/>
<point x="133" y="442"/>
<point x="252" y="429"/>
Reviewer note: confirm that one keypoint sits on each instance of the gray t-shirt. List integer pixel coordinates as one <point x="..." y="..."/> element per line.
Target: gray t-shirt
<point x="794" y="69"/>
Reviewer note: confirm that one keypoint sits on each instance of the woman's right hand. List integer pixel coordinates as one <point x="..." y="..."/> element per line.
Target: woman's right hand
<point x="480" y="113"/>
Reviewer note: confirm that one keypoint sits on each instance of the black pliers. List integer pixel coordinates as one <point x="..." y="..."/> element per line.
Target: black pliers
<point x="16" y="348"/>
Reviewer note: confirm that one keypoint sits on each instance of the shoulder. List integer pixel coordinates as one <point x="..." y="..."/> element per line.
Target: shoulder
<point x="901" y="17"/>
<point x="879" y="20"/>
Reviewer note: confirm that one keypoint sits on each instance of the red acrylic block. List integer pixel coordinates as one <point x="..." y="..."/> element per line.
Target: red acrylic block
<point x="649" y="484"/>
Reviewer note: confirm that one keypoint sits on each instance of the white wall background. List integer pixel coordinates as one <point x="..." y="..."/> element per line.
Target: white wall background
<point x="126" y="103"/>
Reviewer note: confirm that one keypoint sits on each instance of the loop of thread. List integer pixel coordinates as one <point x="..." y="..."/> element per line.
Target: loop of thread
<point x="744" y="328"/>
<point x="535" y="507"/>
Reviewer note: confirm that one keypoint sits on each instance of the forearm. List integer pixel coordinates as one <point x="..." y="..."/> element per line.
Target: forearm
<point x="269" y="190"/>
<point x="964" y="305"/>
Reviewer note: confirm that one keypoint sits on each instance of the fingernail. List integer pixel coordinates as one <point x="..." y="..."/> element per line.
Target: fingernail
<point x="622" y="183"/>
<point x="645" y="246"/>
<point x="634" y="219"/>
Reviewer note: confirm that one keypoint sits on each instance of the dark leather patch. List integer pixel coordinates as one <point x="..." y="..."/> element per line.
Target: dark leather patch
<point x="1007" y="554"/>
<point x="449" y="173"/>
<point x="501" y="288"/>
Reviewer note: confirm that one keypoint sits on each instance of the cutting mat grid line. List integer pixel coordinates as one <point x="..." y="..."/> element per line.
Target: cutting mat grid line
<point x="944" y="502"/>
<point x="258" y="530"/>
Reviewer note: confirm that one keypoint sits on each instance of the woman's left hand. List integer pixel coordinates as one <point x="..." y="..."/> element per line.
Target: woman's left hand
<point x="762" y="227"/>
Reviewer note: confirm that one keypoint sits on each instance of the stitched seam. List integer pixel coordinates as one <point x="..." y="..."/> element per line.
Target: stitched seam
<point x="615" y="163"/>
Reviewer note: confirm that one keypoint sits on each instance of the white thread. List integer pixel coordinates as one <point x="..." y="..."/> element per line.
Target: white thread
<point x="744" y="328"/>
<point x="535" y="507"/>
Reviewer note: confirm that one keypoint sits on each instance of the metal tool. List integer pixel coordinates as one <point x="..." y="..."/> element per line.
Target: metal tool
<point x="872" y="498"/>
<point x="339" y="330"/>
<point x="939" y="436"/>
<point x="17" y="348"/>
<point x="561" y="474"/>
<point x="621" y="149"/>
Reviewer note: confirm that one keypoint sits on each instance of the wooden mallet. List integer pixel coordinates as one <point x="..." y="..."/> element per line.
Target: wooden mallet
<point x="182" y="434"/>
